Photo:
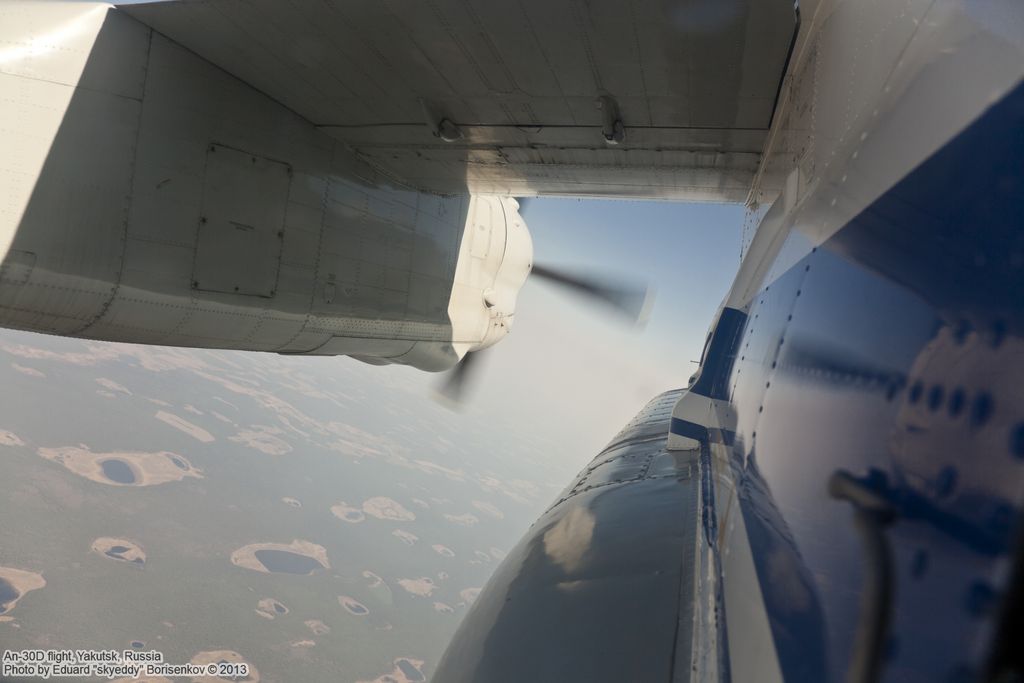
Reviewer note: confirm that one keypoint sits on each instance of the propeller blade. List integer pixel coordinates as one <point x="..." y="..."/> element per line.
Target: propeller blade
<point x="455" y="386"/>
<point x="629" y="300"/>
<point x="632" y="301"/>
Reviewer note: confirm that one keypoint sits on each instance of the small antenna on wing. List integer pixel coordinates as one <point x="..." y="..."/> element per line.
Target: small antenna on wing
<point x="612" y="128"/>
<point x="441" y="126"/>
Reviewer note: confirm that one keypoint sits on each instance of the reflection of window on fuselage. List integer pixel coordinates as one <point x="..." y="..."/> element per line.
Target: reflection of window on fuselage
<point x="707" y="342"/>
<point x="700" y="364"/>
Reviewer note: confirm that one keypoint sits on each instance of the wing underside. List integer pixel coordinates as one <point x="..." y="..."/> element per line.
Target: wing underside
<point x="526" y="88"/>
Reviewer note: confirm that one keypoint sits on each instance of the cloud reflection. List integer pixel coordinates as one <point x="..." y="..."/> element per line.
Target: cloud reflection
<point x="567" y="542"/>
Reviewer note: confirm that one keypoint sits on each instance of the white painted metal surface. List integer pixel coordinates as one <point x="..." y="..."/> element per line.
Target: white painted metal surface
<point x="493" y="264"/>
<point x="74" y="255"/>
<point x="695" y="84"/>
<point x="241" y="223"/>
<point x="867" y="98"/>
<point x="151" y="196"/>
<point x="143" y="185"/>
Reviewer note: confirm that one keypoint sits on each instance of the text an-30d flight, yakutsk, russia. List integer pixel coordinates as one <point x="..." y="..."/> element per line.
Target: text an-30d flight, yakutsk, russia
<point x="835" y="495"/>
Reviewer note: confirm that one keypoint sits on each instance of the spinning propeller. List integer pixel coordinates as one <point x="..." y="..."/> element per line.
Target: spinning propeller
<point x="630" y="301"/>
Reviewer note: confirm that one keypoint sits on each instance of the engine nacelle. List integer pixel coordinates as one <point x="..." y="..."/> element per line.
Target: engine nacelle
<point x="150" y="197"/>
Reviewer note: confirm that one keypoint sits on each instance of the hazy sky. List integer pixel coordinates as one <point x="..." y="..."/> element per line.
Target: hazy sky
<point x="572" y="370"/>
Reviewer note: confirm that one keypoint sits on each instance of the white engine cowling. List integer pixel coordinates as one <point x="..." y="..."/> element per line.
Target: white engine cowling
<point x="150" y="197"/>
<point x="494" y="262"/>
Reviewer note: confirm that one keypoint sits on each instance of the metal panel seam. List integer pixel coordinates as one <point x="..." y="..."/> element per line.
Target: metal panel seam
<point x="129" y="198"/>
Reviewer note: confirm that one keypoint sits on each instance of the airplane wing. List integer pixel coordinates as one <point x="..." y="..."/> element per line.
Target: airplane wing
<point x="645" y="99"/>
<point x="606" y="585"/>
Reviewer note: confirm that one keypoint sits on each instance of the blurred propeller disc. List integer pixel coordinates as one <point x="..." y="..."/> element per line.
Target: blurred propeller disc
<point x="632" y="301"/>
<point x="454" y="387"/>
